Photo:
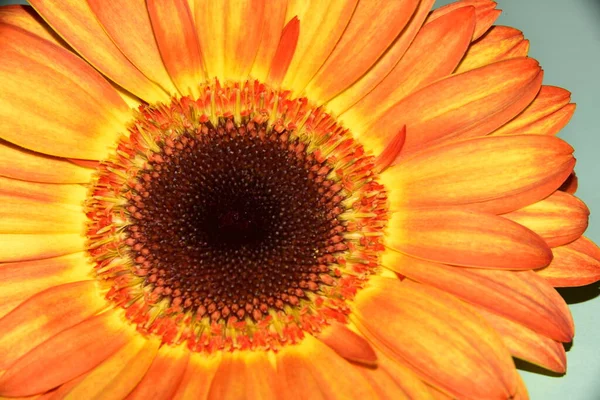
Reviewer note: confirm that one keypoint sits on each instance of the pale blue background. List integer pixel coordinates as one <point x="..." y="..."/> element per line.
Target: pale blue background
<point x="565" y="38"/>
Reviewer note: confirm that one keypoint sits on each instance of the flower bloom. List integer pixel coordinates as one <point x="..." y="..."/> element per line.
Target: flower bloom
<point x="281" y="199"/>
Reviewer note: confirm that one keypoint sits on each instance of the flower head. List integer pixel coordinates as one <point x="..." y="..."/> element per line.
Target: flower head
<point x="254" y="199"/>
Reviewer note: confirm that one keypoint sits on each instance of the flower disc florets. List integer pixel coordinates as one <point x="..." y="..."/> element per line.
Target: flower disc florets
<point x="242" y="219"/>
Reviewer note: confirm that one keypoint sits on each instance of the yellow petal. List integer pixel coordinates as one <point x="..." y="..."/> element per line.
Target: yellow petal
<point x="24" y="247"/>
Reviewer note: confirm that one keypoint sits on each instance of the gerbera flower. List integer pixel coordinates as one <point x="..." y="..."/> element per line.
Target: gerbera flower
<point x="280" y="199"/>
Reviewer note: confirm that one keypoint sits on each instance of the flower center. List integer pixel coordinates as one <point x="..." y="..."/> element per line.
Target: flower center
<point x="243" y="219"/>
<point x="235" y="221"/>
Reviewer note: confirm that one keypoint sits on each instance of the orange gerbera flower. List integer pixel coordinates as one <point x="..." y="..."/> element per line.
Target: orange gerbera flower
<point x="280" y="199"/>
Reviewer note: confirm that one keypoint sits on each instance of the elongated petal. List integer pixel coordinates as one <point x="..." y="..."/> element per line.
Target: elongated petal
<point x="333" y="377"/>
<point x="317" y="22"/>
<point x="570" y="267"/>
<point x="549" y="112"/>
<point x="371" y="30"/>
<point x="559" y="219"/>
<point x="75" y="21"/>
<point x="128" y="25"/>
<point x="487" y="174"/>
<point x="65" y="356"/>
<point x="274" y="22"/>
<point x="405" y="378"/>
<point x="496" y="45"/>
<point x="520" y="296"/>
<point x="384" y="65"/>
<point x="348" y="344"/>
<point x="31" y="216"/>
<point x="19" y="163"/>
<point x="407" y="319"/>
<point x="228" y="39"/>
<point x="72" y="109"/>
<point x="466" y="238"/>
<point x="175" y="33"/>
<point x="485" y="10"/>
<point x="586" y="246"/>
<point x="26" y="18"/>
<point x="24" y="247"/>
<point x="434" y="54"/>
<point x="244" y="375"/>
<point x="21" y="280"/>
<point x="164" y="375"/>
<point x="466" y="105"/>
<point x="528" y="345"/>
<point x="284" y="53"/>
<point x="42" y="192"/>
<point x="117" y="375"/>
<point x="197" y="377"/>
<point x="45" y="315"/>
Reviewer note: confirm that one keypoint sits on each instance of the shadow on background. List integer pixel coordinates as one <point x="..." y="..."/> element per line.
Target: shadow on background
<point x="580" y="294"/>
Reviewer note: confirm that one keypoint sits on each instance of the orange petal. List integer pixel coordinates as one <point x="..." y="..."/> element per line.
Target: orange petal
<point x="371" y="30"/>
<point x="390" y="153"/>
<point x="434" y="54"/>
<point x="471" y="104"/>
<point x="26" y="18"/>
<point x="72" y="109"/>
<point x="117" y="375"/>
<point x="348" y="344"/>
<point x="312" y="50"/>
<point x="197" y="377"/>
<point x="21" y="280"/>
<point x="484" y="9"/>
<point x="32" y="216"/>
<point x="384" y="65"/>
<point x="495" y="45"/>
<point x="559" y="219"/>
<point x="42" y="192"/>
<point x="249" y="375"/>
<point x="492" y="174"/>
<point x="466" y="238"/>
<point x="45" y="315"/>
<point x="24" y="247"/>
<point x="284" y="53"/>
<point x="319" y="372"/>
<point x="403" y="376"/>
<point x="19" y="163"/>
<point x="65" y="356"/>
<point x="549" y="112"/>
<point x="521" y="296"/>
<point x="75" y="21"/>
<point x="528" y="345"/>
<point x="522" y="393"/>
<point x="570" y="267"/>
<point x="128" y="25"/>
<point x="176" y="37"/>
<point x="228" y="39"/>
<point x="439" y="337"/>
<point x="164" y="375"/>
<point x="274" y="22"/>
<point x="586" y="246"/>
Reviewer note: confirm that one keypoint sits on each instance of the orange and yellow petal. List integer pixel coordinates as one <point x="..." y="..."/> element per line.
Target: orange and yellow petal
<point x="466" y="238"/>
<point x="198" y="376"/>
<point x="65" y="356"/>
<point x="521" y="296"/>
<point x="245" y="375"/>
<point x="406" y="320"/>
<point x="571" y="266"/>
<point x="72" y="109"/>
<point x="434" y="54"/>
<point x="36" y="246"/>
<point x="77" y="24"/>
<point x="487" y="174"/>
<point x="371" y="30"/>
<point x="485" y="11"/>
<point x="559" y="218"/>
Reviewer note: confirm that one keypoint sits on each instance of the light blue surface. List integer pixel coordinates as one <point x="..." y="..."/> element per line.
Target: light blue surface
<point x="565" y="38"/>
